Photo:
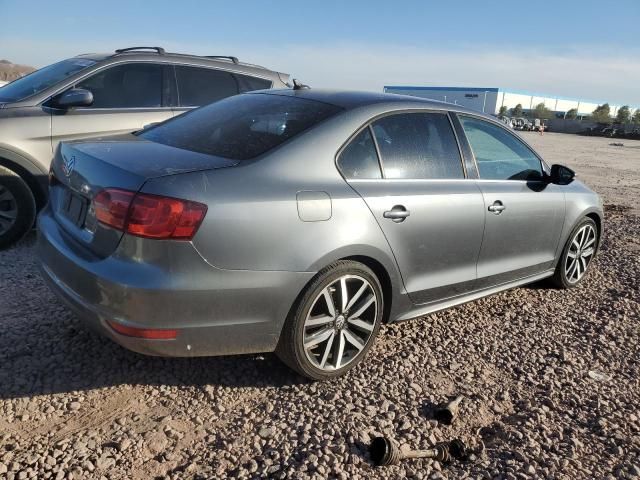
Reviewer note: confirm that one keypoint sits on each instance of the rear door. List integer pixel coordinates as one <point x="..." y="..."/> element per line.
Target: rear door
<point x="430" y="214"/>
<point x="127" y="96"/>
<point x="197" y="86"/>
<point x="524" y="214"/>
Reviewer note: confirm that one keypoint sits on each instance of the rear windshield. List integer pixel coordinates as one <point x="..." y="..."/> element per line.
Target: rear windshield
<point x="42" y="79"/>
<point x="241" y="127"/>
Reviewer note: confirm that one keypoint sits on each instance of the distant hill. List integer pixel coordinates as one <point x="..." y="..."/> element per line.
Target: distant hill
<point x="10" y="71"/>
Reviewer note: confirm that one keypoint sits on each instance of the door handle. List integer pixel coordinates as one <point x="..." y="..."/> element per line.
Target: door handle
<point x="497" y="207"/>
<point x="398" y="213"/>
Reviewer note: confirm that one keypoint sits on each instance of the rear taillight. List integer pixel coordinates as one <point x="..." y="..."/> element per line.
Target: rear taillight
<point x="149" y="216"/>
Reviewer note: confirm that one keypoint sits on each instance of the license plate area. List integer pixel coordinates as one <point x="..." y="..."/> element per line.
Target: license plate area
<point x="74" y="207"/>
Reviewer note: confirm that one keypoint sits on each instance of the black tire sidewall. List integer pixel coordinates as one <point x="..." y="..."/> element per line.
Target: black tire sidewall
<point x="560" y="275"/>
<point x="295" y="343"/>
<point x="26" y="206"/>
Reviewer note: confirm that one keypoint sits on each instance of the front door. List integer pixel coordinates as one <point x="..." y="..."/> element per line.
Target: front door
<point x="431" y="215"/>
<point x="126" y="96"/>
<point x="524" y="213"/>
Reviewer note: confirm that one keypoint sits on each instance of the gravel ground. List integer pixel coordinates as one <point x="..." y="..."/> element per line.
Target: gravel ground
<point x="550" y="379"/>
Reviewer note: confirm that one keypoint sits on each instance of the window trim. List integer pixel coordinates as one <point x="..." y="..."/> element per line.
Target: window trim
<point x="544" y="167"/>
<point x="369" y="124"/>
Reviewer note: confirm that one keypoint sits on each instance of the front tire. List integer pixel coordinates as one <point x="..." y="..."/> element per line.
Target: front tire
<point x="577" y="255"/>
<point x="334" y="323"/>
<point x="17" y="208"/>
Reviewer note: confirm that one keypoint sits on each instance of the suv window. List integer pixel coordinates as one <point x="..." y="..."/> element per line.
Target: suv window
<point x="418" y="145"/>
<point x="42" y="79"/>
<point x="248" y="83"/>
<point x="359" y="159"/>
<point x="199" y="86"/>
<point x="499" y="154"/>
<point x="241" y="127"/>
<point x="129" y="85"/>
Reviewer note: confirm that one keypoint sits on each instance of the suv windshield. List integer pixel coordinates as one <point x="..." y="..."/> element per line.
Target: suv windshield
<point x="241" y="127"/>
<point x="42" y="79"/>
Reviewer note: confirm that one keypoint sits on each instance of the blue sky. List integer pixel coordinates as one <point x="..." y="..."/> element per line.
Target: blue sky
<point x="572" y="48"/>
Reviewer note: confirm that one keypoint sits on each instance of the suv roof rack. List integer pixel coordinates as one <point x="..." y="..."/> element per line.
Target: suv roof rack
<point x="233" y="59"/>
<point x="159" y="50"/>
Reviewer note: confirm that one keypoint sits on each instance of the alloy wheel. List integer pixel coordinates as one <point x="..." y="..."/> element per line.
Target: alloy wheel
<point x="580" y="253"/>
<point x="340" y="322"/>
<point x="8" y="210"/>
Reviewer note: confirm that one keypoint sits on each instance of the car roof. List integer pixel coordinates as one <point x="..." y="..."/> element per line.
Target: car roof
<point x="350" y="99"/>
<point x="173" y="57"/>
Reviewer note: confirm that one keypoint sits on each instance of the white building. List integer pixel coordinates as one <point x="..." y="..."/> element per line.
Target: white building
<point x="489" y="100"/>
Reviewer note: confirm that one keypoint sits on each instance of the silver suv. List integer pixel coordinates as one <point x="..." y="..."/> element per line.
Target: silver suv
<point x="96" y="95"/>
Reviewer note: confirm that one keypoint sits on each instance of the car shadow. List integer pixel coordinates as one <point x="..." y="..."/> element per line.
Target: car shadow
<point x="45" y="349"/>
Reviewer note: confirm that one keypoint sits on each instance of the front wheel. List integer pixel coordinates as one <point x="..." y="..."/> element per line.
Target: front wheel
<point x="17" y="208"/>
<point x="334" y="323"/>
<point x="577" y="255"/>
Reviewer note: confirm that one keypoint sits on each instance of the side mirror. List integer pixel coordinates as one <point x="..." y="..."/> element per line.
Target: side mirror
<point x="561" y="175"/>
<point x="76" y="97"/>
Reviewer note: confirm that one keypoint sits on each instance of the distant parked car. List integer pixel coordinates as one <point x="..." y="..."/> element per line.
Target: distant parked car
<point x="100" y="94"/>
<point x="299" y="221"/>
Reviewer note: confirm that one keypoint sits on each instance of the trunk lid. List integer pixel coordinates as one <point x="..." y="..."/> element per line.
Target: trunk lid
<point x="82" y="169"/>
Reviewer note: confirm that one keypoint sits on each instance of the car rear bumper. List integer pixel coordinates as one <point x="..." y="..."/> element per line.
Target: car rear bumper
<point x="153" y="284"/>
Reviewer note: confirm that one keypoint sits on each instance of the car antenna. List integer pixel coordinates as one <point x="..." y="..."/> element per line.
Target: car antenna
<point x="297" y="85"/>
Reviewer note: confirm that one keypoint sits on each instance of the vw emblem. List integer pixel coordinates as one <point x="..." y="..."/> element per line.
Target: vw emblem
<point x="68" y="164"/>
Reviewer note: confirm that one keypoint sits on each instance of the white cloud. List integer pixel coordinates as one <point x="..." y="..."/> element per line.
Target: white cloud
<point x="588" y="73"/>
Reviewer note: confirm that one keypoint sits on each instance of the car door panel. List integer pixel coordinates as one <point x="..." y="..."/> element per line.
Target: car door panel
<point x="432" y="217"/>
<point x="524" y="214"/>
<point x="436" y="246"/>
<point x="521" y="240"/>
<point x="127" y="97"/>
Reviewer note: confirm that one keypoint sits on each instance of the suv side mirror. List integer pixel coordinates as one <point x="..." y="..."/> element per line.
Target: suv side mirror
<point x="76" y="97"/>
<point x="561" y="175"/>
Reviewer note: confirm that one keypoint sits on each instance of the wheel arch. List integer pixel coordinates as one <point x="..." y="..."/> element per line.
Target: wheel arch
<point x="382" y="264"/>
<point x="29" y="170"/>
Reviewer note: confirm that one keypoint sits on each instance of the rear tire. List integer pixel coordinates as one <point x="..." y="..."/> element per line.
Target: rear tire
<point x="334" y="323"/>
<point x="577" y="255"/>
<point x="17" y="208"/>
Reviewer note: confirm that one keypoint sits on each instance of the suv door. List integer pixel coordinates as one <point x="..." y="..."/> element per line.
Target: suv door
<point x="199" y="86"/>
<point x="408" y="169"/>
<point x="126" y="97"/>
<point x="524" y="213"/>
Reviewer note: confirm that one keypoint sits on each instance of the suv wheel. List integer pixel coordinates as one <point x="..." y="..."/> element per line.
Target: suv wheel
<point x="17" y="208"/>
<point x="577" y="255"/>
<point x="334" y="324"/>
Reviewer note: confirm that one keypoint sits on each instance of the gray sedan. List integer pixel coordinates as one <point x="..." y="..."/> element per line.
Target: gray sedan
<point x="298" y="221"/>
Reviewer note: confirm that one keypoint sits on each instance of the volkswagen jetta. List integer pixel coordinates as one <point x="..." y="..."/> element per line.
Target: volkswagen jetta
<point x="298" y="221"/>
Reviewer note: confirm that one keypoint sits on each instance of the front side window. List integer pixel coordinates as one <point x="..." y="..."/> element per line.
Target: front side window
<point x="499" y="154"/>
<point x="418" y="146"/>
<point x="42" y="79"/>
<point x="129" y="85"/>
<point x="241" y="127"/>
<point x="359" y="158"/>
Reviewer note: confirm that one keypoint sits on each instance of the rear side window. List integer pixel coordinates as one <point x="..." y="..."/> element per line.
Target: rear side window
<point x="419" y="146"/>
<point x="200" y="86"/>
<point x="499" y="154"/>
<point x="241" y="127"/>
<point x="359" y="158"/>
<point x="248" y="83"/>
<point x="129" y="85"/>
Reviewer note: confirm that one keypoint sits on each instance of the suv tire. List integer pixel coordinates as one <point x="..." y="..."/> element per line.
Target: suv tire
<point x="17" y="208"/>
